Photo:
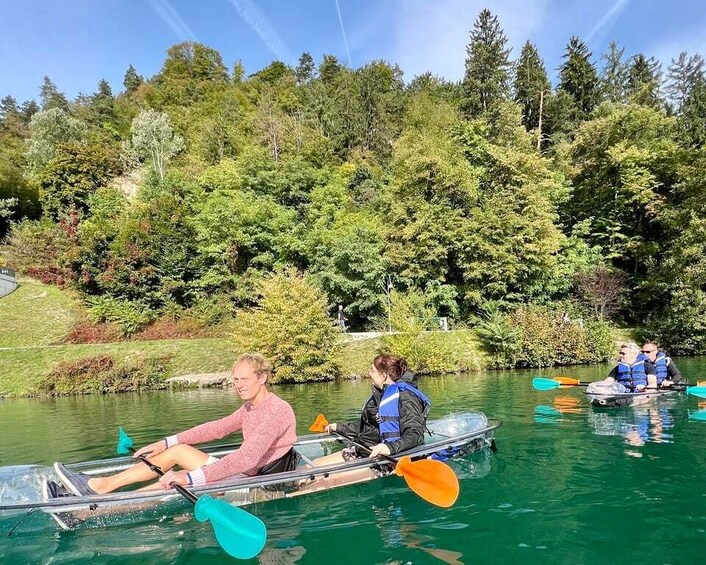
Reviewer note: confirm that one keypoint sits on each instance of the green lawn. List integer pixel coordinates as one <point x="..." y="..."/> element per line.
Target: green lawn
<point x="23" y="368"/>
<point x="37" y="314"/>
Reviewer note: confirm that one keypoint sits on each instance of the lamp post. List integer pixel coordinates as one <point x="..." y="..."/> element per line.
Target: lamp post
<point x="388" y="290"/>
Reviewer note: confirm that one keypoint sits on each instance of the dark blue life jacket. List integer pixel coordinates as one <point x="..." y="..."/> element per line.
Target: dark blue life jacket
<point x="661" y="364"/>
<point x="632" y="375"/>
<point x="389" y="410"/>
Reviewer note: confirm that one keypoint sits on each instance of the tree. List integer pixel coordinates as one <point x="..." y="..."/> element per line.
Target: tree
<point x="132" y="80"/>
<point x="189" y="71"/>
<point x="75" y="172"/>
<point x="531" y="84"/>
<point x="487" y="76"/>
<point x="615" y="74"/>
<point x="577" y="77"/>
<point x="644" y="77"/>
<point x="329" y="69"/>
<point x="274" y="73"/>
<point x="152" y="140"/>
<point x="291" y="327"/>
<point x="305" y="69"/>
<point x="51" y="97"/>
<point x="49" y="129"/>
<point x="102" y="103"/>
<point x="683" y="74"/>
<point x="602" y="289"/>
<point x="692" y="121"/>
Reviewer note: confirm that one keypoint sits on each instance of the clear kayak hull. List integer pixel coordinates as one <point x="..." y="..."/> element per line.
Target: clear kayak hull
<point x="20" y="486"/>
<point x="618" y="400"/>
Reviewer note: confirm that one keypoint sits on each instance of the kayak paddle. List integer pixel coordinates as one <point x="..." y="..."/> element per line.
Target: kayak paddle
<point x="540" y="383"/>
<point x="238" y="532"/>
<point x="432" y="480"/>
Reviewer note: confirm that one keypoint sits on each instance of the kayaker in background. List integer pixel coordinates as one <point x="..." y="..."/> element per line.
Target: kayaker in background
<point x="393" y="418"/>
<point x="631" y="370"/>
<point x="267" y="422"/>
<point x="665" y="369"/>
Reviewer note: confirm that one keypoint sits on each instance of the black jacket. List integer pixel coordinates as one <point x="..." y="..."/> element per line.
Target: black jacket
<point x="367" y="429"/>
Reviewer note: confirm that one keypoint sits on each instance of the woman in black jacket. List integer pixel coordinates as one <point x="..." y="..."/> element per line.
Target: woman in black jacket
<point x="393" y="419"/>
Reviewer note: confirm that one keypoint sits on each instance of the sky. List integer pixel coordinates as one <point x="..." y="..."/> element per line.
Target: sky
<point x="78" y="42"/>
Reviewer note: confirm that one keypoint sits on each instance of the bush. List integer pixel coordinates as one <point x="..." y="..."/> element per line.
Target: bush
<point x="101" y="374"/>
<point x="436" y="352"/>
<point x="173" y="328"/>
<point x="86" y="332"/>
<point x="546" y="338"/>
<point x="129" y="317"/>
<point x="291" y="327"/>
<point x="36" y="248"/>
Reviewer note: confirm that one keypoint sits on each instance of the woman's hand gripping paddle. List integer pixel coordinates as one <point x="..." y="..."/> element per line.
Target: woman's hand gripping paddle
<point x="432" y="480"/>
<point x="238" y="532"/>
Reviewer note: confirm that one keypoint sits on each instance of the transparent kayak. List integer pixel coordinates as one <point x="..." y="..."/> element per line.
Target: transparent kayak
<point x="622" y="399"/>
<point x="453" y="436"/>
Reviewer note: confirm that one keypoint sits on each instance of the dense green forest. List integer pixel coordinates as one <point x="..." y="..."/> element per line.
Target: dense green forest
<point x="501" y="201"/>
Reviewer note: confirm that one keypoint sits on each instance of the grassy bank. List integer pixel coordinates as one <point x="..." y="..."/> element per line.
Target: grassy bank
<point x="37" y="314"/>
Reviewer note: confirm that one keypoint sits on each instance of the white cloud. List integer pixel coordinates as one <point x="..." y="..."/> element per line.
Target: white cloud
<point x="432" y="36"/>
<point x="606" y="22"/>
<point x="343" y="32"/>
<point x="259" y="22"/>
<point x="171" y="17"/>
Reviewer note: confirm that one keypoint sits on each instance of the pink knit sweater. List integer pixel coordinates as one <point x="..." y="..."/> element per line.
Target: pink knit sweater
<point x="269" y="431"/>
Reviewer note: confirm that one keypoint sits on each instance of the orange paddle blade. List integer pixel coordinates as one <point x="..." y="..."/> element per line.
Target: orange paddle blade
<point x="566" y="380"/>
<point x="433" y="480"/>
<point x="319" y="424"/>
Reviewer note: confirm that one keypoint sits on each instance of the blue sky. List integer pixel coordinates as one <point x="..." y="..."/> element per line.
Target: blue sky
<point x="78" y="42"/>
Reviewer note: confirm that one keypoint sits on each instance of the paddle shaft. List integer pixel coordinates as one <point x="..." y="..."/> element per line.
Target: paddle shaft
<point x="386" y="457"/>
<point x="186" y="493"/>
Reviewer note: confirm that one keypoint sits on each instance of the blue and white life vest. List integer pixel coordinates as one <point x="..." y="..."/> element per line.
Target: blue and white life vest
<point x="389" y="410"/>
<point x="632" y="375"/>
<point x="661" y="364"/>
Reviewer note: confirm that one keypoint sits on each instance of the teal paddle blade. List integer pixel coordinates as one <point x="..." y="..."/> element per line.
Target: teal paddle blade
<point x="124" y="442"/>
<point x="540" y="383"/>
<point x="240" y="534"/>
<point x="699" y="391"/>
<point x="546" y="415"/>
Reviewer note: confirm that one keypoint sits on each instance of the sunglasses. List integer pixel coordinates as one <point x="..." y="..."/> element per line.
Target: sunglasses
<point x="647" y="350"/>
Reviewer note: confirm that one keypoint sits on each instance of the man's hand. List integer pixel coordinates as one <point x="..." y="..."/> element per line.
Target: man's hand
<point x="666" y="383"/>
<point x="178" y="477"/>
<point x="152" y="449"/>
<point x="331" y="428"/>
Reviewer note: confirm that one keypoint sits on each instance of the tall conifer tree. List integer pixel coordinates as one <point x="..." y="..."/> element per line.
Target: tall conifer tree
<point x="643" y="80"/>
<point x="615" y="74"/>
<point x="578" y="78"/>
<point x="487" y="66"/>
<point x="530" y="82"/>
<point x="682" y="75"/>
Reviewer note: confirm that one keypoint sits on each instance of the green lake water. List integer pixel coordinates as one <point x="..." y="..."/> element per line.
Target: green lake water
<point x="568" y="484"/>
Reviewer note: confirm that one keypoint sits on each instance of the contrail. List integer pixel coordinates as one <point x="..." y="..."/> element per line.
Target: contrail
<point x="170" y="16"/>
<point x="250" y="13"/>
<point x="343" y="31"/>
<point x="618" y="7"/>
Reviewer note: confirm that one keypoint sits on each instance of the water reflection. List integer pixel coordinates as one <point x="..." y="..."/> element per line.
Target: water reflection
<point x="637" y="425"/>
<point x="700" y="414"/>
<point x="562" y="405"/>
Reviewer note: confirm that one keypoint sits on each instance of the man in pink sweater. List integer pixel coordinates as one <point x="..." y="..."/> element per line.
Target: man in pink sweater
<point x="269" y="432"/>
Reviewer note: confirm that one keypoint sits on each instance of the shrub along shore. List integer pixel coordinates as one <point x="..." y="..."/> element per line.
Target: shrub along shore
<point x="39" y="320"/>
